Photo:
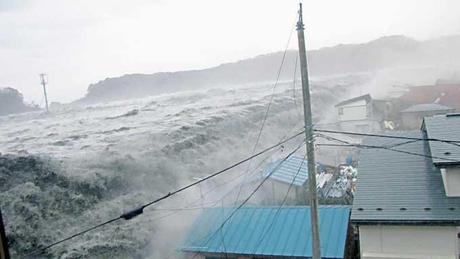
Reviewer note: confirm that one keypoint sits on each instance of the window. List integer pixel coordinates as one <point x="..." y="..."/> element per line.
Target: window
<point x="341" y="111"/>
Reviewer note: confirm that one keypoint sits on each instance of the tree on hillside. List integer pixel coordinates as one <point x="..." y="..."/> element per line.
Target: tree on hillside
<point x="12" y="101"/>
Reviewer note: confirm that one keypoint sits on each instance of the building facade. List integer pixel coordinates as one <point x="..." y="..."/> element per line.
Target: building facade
<point x="407" y="201"/>
<point x="362" y="114"/>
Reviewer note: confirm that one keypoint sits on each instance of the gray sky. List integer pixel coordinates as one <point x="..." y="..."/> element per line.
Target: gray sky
<point x="78" y="42"/>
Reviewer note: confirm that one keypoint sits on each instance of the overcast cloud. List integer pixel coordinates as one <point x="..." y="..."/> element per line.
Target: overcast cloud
<point x="78" y="42"/>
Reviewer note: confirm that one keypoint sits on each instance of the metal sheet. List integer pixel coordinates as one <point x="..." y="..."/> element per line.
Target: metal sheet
<point x="267" y="231"/>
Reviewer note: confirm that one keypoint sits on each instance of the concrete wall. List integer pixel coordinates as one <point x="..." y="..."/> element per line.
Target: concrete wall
<point x="451" y="180"/>
<point x="408" y="242"/>
<point x="272" y="192"/>
<point x="360" y="126"/>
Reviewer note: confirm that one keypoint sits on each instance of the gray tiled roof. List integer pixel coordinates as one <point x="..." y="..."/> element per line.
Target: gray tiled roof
<point x="446" y="127"/>
<point x="427" y="107"/>
<point x="398" y="188"/>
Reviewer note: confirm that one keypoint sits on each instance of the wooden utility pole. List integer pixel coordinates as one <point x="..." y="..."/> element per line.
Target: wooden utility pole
<point x="4" y="254"/>
<point x="43" y="81"/>
<point x="309" y="138"/>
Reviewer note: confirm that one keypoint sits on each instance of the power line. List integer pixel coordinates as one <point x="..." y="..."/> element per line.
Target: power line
<point x="136" y="212"/>
<point x="212" y="203"/>
<point x="221" y="229"/>
<point x="251" y="194"/>
<point x="282" y="203"/>
<point x="347" y="143"/>
<point x="269" y="104"/>
<point x="454" y="142"/>
<point x="354" y="145"/>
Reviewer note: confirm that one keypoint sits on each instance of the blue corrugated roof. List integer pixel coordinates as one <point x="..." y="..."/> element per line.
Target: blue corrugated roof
<point x="267" y="231"/>
<point x="394" y="187"/>
<point x="287" y="171"/>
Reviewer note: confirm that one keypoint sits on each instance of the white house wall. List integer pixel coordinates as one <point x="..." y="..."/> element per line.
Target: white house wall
<point x="451" y="180"/>
<point x="353" y="112"/>
<point x="408" y="242"/>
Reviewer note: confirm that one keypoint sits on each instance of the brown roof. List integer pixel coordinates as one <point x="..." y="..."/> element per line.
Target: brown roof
<point x="448" y="95"/>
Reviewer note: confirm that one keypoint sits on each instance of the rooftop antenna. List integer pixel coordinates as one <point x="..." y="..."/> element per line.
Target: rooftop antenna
<point x="43" y="82"/>
<point x="310" y="145"/>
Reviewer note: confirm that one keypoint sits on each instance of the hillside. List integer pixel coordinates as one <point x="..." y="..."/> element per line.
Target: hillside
<point x="12" y="101"/>
<point x="382" y="53"/>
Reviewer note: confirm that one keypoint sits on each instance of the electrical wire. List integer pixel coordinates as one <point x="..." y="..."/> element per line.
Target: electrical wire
<point x="251" y="194"/>
<point x="454" y="142"/>
<point x="269" y="104"/>
<point x="212" y="203"/>
<point x="347" y="143"/>
<point x="136" y="212"/>
<point x="282" y="203"/>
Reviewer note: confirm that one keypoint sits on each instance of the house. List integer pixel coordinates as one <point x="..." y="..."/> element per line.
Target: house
<point x="446" y="156"/>
<point x="292" y="174"/>
<point x="267" y="232"/>
<point x="407" y="202"/>
<point x="362" y="113"/>
<point x="412" y="116"/>
<point x="287" y="183"/>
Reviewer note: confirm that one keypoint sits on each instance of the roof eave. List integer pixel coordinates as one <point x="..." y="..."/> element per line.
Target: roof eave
<point x="406" y="222"/>
<point x="365" y="97"/>
<point x="446" y="163"/>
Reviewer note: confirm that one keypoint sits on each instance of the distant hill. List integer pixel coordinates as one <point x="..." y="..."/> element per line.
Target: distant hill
<point x="12" y="101"/>
<point x="382" y="53"/>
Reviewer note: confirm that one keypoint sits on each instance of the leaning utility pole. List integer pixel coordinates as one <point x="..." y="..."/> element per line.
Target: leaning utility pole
<point x="43" y="81"/>
<point x="309" y="138"/>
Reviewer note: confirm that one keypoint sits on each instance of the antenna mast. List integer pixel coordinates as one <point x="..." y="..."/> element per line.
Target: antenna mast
<point x="309" y="137"/>
<point x="43" y="82"/>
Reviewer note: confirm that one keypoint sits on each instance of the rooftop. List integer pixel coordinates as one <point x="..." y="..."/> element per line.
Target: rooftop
<point x="443" y="94"/>
<point x="401" y="188"/>
<point x="445" y="127"/>
<point x="366" y="97"/>
<point x="287" y="171"/>
<point x="427" y="107"/>
<point x="269" y="231"/>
